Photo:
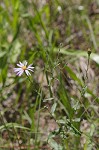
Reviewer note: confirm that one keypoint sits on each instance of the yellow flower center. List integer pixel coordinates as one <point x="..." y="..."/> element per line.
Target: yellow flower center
<point x="24" y="67"/>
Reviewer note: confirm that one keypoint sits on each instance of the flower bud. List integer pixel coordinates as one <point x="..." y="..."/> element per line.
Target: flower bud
<point x="89" y="51"/>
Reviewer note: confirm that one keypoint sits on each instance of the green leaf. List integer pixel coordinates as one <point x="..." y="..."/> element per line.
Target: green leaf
<point x="53" y="108"/>
<point x="4" y="74"/>
<point x="73" y="75"/>
<point x="2" y="53"/>
<point x="15" y="51"/>
<point x="11" y="125"/>
<point x="78" y="53"/>
<point x="95" y="57"/>
<point x="54" y="145"/>
<point x="65" y="99"/>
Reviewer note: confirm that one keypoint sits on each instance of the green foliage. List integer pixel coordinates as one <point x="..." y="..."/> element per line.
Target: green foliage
<point x="57" y="106"/>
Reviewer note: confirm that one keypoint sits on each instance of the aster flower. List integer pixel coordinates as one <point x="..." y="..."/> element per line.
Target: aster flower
<point x="23" y="68"/>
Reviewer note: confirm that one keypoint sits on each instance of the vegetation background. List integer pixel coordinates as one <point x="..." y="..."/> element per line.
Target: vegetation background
<point x="59" y="109"/>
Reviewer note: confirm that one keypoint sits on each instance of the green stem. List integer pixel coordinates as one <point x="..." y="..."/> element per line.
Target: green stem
<point x="6" y="128"/>
<point x="16" y="135"/>
<point x="36" y="138"/>
<point x="42" y="23"/>
<point x="32" y="84"/>
<point x="87" y="68"/>
<point x="39" y="100"/>
<point x="51" y="94"/>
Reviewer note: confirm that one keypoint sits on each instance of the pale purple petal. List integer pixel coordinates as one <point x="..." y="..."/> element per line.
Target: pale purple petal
<point x="27" y="72"/>
<point x="19" y="65"/>
<point x="20" y="73"/>
<point x="30" y="65"/>
<point x="25" y="63"/>
<point x="17" y="69"/>
<point x="30" y="69"/>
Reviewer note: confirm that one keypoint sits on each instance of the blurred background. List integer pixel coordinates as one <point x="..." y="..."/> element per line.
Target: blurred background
<point x="59" y="110"/>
